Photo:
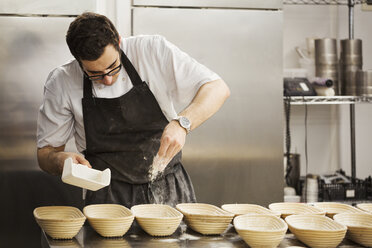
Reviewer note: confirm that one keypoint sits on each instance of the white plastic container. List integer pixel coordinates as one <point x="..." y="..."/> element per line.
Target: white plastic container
<point x="85" y="177"/>
<point x="292" y="198"/>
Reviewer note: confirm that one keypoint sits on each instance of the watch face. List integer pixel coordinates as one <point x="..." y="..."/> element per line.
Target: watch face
<point x="185" y="122"/>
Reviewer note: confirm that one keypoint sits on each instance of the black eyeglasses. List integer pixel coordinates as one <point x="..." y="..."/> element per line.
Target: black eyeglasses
<point x="113" y="72"/>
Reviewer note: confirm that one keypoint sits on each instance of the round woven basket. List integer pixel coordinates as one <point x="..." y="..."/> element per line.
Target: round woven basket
<point x="333" y="208"/>
<point x="260" y="230"/>
<point x="109" y="220"/>
<point x="290" y="208"/>
<point x="59" y="222"/>
<point x="157" y="219"/>
<point x="366" y="207"/>
<point x="316" y="231"/>
<point x="359" y="227"/>
<point x="205" y="218"/>
<point x="239" y="209"/>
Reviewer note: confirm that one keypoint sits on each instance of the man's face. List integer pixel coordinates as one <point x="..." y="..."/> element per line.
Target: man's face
<point x="109" y="62"/>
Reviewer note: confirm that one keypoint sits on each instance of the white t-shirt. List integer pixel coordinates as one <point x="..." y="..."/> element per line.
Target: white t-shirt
<point x="172" y="75"/>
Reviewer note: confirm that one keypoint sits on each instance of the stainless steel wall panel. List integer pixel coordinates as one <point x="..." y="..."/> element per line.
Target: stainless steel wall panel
<point x="30" y="47"/>
<point x="44" y="7"/>
<point x="253" y="4"/>
<point x="237" y="155"/>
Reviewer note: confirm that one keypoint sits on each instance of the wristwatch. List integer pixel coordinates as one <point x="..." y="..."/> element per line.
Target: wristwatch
<point x="184" y="122"/>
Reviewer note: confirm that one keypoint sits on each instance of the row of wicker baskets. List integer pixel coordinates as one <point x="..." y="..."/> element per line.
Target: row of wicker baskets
<point x="257" y="225"/>
<point x="308" y="223"/>
<point x="112" y="220"/>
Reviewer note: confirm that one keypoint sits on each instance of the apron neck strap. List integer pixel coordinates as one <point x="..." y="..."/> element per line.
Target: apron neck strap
<point x="87" y="87"/>
<point x="132" y="73"/>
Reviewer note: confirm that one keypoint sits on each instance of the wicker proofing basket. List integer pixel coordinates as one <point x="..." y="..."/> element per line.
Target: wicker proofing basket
<point x="260" y="230"/>
<point x="359" y="227"/>
<point x="333" y="208"/>
<point x="59" y="222"/>
<point x="205" y="218"/>
<point x="316" y="231"/>
<point x="239" y="209"/>
<point x="289" y="208"/>
<point x="109" y="220"/>
<point x="157" y="219"/>
<point x="366" y="207"/>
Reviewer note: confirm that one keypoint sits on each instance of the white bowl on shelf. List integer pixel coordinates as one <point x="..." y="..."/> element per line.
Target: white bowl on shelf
<point x="292" y="198"/>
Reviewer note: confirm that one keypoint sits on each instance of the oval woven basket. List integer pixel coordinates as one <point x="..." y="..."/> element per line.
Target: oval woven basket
<point x="290" y="208"/>
<point x="59" y="222"/>
<point x="157" y="219"/>
<point x="239" y="209"/>
<point x="109" y="220"/>
<point x="205" y="218"/>
<point x="366" y="207"/>
<point x="260" y="230"/>
<point x="332" y="208"/>
<point x="359" y="227"/>
<point x="316" y="231"/>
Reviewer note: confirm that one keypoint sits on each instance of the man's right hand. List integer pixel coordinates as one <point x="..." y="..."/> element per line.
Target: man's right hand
<point x="52" y="159"/>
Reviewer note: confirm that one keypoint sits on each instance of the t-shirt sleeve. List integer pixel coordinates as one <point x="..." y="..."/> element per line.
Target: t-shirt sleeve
<point x="55" y="120"/>
<point x="187" y="74"/>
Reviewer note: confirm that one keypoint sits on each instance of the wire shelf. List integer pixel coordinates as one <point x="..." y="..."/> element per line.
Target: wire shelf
<point x="313" y="100"/>
<point x="321" y="2"/>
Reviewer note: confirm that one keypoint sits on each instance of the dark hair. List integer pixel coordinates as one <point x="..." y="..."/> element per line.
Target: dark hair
<point x="89" y="34"/>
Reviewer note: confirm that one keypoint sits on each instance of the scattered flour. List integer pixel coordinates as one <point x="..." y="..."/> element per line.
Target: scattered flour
<point x="157" y="167"/>
<point x="168" y="240"/>
<point x="186" y="236"/>
<point x="157" y="186"/>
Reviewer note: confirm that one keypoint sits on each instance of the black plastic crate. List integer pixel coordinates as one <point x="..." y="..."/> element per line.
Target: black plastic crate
<point x="368" y="186"/>
<point x="342" y="191"/>
<point x="331" y="192"/>
<point x="357" y="190"/>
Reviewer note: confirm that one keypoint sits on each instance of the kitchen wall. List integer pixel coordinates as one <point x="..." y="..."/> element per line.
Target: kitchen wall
<point x="328" y="125"/>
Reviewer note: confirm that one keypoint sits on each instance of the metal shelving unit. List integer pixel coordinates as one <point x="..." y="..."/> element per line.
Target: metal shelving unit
<point x="338" y="99"/>
<point x="319" y="100"/>
<point x="321" y="2"/>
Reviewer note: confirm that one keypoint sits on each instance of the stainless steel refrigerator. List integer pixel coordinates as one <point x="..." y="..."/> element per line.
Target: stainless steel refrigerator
<point x="32" y="43"/>
<point x="237" y="155"/>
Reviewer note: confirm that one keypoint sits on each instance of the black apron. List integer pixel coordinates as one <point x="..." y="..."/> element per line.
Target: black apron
<point x="123" y="134"/>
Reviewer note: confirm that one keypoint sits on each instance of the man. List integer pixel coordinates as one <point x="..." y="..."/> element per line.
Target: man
<point x="118" y="99"/>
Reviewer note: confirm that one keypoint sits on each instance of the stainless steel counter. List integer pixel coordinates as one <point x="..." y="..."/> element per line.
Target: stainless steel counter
<point x="183" y="237"/>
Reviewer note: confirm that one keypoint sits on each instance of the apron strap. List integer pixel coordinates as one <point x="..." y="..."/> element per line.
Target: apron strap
<point x="132" y="73"/>
<point x="87" y="87"/>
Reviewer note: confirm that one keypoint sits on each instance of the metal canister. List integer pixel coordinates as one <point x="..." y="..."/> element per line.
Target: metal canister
<point x="326" y="61"/>
<point x="364" y="81"/>
<point x="351" y="52"/>
<point x="351" y="61"/>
